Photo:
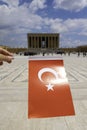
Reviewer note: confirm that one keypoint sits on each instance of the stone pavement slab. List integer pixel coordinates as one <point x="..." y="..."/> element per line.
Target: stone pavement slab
<point x="14" y="100"/>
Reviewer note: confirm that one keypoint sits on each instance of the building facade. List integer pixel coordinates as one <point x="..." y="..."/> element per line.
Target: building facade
<point x="43" y="41"/>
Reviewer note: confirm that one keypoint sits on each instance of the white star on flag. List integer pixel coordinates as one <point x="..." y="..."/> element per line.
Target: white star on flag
<point x="49" y="87"/>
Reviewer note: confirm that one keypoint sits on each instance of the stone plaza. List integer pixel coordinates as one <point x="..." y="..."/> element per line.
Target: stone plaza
<point x="14" y="96"/>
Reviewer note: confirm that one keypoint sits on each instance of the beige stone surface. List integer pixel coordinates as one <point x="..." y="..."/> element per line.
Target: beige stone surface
<point x="14" y="95"/>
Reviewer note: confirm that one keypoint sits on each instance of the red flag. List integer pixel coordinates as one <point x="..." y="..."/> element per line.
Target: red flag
<point x="49" y="92"/>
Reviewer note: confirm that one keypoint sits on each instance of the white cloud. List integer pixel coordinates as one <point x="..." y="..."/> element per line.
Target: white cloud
<point x="83" y="33"/>
<point x="76" y="24"/>
<point x="58" y="26"/>
<point x="71" y="31"/>
<point x="37" y="4"/>
<point x="11" y="3"/>
<point x="72" y="5"/>
<point x="16" y="21"/>
<point x="68" y="42"/>
<point x="19" y="16"/>
<point x="66" y="26"/>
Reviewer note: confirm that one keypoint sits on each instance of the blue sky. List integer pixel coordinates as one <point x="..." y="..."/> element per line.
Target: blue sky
<point x="19" y="17"/>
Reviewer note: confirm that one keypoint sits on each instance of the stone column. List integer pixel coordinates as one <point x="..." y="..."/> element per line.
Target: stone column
<point x="31" y="42"/>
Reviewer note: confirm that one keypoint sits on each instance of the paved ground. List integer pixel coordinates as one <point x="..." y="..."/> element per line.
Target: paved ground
<point x="13" y="97"/>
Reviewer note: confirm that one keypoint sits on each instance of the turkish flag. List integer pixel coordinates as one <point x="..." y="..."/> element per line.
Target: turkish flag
<point x="48" y="92"/>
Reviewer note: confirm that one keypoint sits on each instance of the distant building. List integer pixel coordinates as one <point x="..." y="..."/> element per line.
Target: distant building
<point x="43" y="42"/>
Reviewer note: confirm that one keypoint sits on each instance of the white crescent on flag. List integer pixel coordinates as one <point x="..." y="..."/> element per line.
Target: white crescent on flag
<point x="47" y="70"/>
